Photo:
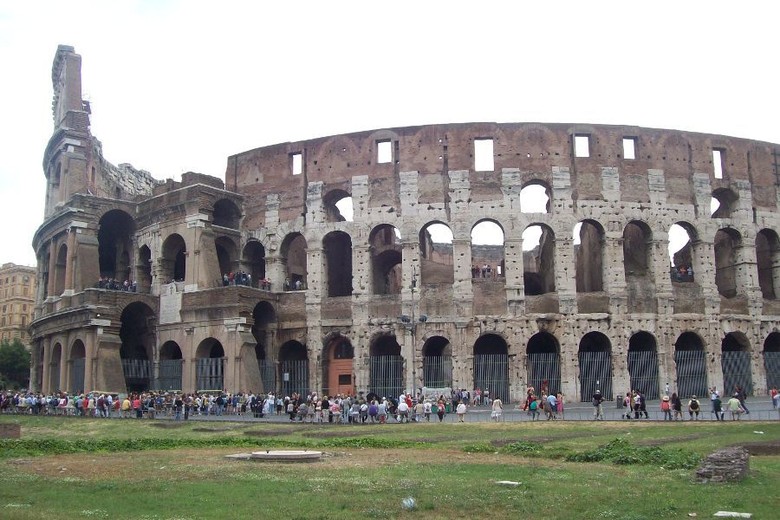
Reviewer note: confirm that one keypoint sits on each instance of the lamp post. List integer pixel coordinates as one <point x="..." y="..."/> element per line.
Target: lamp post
<point x="410" y="323"/>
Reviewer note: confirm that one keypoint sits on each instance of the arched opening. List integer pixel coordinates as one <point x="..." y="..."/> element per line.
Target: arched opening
<point x="337" y="254"/>
<point x="138" y="336"/>
<point x="491" y="366"/>
<point x="210" y="366"/>
<point x="538" y="260"/>
<point x="535" y="197"/>
<point x="386" y="367"/>
<point x="263" y="316"/>
<point x="54" y="368"/>
<point x="643" y="364"/>
<point x="227" y="256"/>
<point x="437" y="363"/>
<point x="772" y="360"/>
<point x="78" y="357"/>
<point x="638" y="267"/>
<point x="544" y="363"/>
<point x="144" y="269"/>
<point x="735" y="362"/>
<point x="253" y="259"/>
<point x="293" y="252"/>
<point x="174" y="259"/>
<point x="338" y="206"/>
<point x="589" y="257"/>
<point x="768" y="263"/>
<point x="59" y="270"/>
<point x="294" y="369"/>
<point x="487" y="251"/>
<point x="385" y="245"/>
<point x="436" y="260"/>
<point x="691" y="362"/>
<point x="337" y="375"/>
<point x="727" y="247"/>
<point x="170" y="367"/>
<point x="227" y="214"/>
<point x="723" y="203"/>
<point x="595" y="359"/>
<point x="115" y="242"/>
<point x="681" y="252"/>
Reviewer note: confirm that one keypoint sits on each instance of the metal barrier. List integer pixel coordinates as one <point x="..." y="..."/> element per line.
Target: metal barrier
<point x="170" y="374"/>
<point x="437" y="371"/>
<point x="643" y="370"/>
<point x="691" y="373"/>
<point x="772" y="368"/>
<point x="77" y="375"/>
<point x="210" y="373"/>
<point x="736" y="371"/>
<point x="544" y="366"/>
<point x="386" y="375"/>
<point x="491" y="373"/>
<point x="595" y="374"/>
<point x="295" y="377"/>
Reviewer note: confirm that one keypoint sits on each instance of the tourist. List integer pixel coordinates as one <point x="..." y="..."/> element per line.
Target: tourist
<point x="694" y="407"/>
<point x="427" y="408"/>
<point x="666" y="408"/>
<point x="461" y="411"/>
<point x="559" y="399"/>
<point x="441" y="409"/>
<point x="717" y="407"/>
<point x="742" y="396"/>
<point x="598" y="410"/>
<point x="497" y="412"/>
<point x="676" y="407"/>
<point x="775" y="397"/>
<point x="735" y="407"/>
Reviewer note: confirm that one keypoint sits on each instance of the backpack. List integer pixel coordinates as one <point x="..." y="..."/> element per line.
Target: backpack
<point x="694" y="405"/>
<point x="534" y="405"/>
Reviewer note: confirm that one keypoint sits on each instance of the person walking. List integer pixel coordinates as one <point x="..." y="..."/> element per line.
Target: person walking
<point x="497" y="410"/>
<point x="598" y="410"/>
<point x="461" y="411"/>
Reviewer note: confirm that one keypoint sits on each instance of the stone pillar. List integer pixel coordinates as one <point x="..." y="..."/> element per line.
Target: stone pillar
<point x="565" y="273"/>
<point x="463" y="294"/>
<point x="70" y="261"/>
<point x="53" y="251"/>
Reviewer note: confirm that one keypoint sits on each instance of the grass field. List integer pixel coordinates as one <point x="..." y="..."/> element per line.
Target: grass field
<point x="88" y="468"/>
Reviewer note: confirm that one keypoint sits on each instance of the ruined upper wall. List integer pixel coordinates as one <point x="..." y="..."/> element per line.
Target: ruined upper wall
<point x="532" y="149"/>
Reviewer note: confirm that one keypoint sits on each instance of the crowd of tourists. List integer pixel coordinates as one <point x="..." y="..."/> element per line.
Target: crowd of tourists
<point x="112" y="284"/>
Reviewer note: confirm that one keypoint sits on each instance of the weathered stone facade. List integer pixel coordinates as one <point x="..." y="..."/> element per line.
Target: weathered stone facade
<point x="593" y="304"/>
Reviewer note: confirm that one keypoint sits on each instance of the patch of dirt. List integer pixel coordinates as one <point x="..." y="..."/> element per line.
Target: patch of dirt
<point x="763" y="448"/>
<point x="335" y="434"/>
<point x="211" y="430"/>
<point x="270" y="433"/>
<point x="167" y="425"/>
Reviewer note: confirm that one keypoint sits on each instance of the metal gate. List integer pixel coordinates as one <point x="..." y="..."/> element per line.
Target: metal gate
<point x="643" y="371"/>
<point x="544" y="366"/>
<point x="691" y="372"/>
<point x="295" y="377"/>
<point x="138" y="374"/>
<point x="210" y="374"/>
<point x="437" y="371"/>
<point x="772" y="369"/>
<point x="77" y="375"/>
<point x="267" y="374"/>
<point x="736" y="371"/>
<point x="170" y="374"/>
<point x="386" y="375"/>
<point x="595" y="374"/>
<point x="491" y="372"/>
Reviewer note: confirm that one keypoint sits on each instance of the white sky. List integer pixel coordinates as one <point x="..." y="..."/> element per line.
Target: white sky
<point x="180" y="85"/>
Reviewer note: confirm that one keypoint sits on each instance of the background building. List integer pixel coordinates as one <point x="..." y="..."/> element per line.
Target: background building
<point x="17" y="301"/>
<point x="479" y="255"/>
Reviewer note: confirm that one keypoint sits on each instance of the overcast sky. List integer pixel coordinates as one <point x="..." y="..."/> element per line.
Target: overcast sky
<point x="178" y="86"/>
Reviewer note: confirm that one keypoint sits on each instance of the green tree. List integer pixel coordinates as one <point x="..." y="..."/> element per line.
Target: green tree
<point x="14" y="364"/>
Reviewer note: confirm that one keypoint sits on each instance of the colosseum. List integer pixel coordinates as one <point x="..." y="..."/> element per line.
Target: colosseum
<point x="475" y="255"/>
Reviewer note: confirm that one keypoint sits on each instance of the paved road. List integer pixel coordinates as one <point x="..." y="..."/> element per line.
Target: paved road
<point x="760" y="410"/>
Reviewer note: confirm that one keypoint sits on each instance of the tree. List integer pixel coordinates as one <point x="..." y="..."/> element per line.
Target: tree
<point x="14" y="364"/>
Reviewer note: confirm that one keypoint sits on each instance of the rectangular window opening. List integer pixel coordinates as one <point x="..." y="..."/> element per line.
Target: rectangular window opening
<point x="296" y="163"/>
<point x="717" y="162"/>
<point x="483" y="155"/>
<point x="629" y="148"/>
<point x="384" y="152"/>
<point x="581" y="146"/>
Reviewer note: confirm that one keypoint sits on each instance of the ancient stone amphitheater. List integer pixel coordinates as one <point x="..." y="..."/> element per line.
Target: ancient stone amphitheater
<point x="475" y="255"/>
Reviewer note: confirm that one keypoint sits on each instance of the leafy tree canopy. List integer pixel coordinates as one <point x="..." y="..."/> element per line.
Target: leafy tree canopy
<point x="14" y="364"/>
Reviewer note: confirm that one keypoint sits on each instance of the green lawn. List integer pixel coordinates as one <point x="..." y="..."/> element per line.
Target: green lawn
<point x="88" y="468"/>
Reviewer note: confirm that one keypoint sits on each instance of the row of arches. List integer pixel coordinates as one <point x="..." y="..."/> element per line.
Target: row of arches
<point x="291" y="368"/>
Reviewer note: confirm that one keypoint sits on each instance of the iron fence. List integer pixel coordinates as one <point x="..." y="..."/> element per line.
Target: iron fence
<point x="595" y="374"/>
<point x="437" y="371"/>
<point x="772" y="369"/>
<point x="386" y="375"/>
<point x="295" y="377"/>
<point x="691" y="372"/>
<point x="77" y="375"/>
<point x="491" y="373"/>
<point x="210" y="373"/>
<point x="736" y="371"/>
<point x="544" y="366"/>
<point x="643" y="370"/>
<point x="170" y="371"/>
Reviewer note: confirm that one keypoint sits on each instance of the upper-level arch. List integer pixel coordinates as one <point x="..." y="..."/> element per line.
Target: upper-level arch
<point x="227" y="214"/>
<point x="337" y="255"/>
<point x="173" y="260"/>
<point x="436" y="255"/>
<point x="385" y="246"/>
<point x="536" y="197"/>
<point x="115" y="244"/>
<point x="589" y="254"/>
<point x="293" y="256"/>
